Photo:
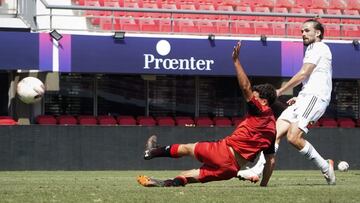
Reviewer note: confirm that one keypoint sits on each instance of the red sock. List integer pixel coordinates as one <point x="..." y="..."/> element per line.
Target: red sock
<point x="174" y="150"/>
<point x="179" y="181"/>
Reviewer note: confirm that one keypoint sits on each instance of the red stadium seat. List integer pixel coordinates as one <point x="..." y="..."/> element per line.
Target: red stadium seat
<point x="224" y="8"/>
<point x="224" y="27"/>
<point x="87" y="120"/>
<point x="294" y="30"/>
<point x="322" y="4"/>
<point x="243" y="28"/>
<point x="279" y="29"/>
<point x="351" y="13"/>
<point x="148" y="25"/>
<point x="184" y="121"/>
<point x="332" y="30"/>
<point x="190" y="7"/>
<point x="151" y="14"/>
<point x="126" y="120"/>
<point x="107" y="24"/>
<point x="337" y="4"/>
<point x="146" y="121"/>
<point x="185" y="26"/>
<point x="46" y="120"/>
<point x="333" y="12"/>
<point x="298" y="11"/>
<point x="165" y="121"/>
<point x="222" y="122"/>
<point x="204" y="122"/>
<point x="261" y="3"/>
<point x="306" y="4"/>
<point x="129" y="24"/>
<point x="346" y="123"/>
<point x="246" y="9"/>
<point x="263" y="29"/>
<point x="279" y="10"/>
<point x="206" y="7"/>
<point x="317" y="11"/>
<point x="165" y="25"/>
<point x="351" y="31"/>
<point x="353" y="4"/>
<point x="263" y="10"/>
<point x="206" y="26"/>
<point x="7" y="120"/>
<point x="328" y="122"/>
<point x="106" y="120"/>
<point x="284" y="3"/>
<point x="66" y="120"/>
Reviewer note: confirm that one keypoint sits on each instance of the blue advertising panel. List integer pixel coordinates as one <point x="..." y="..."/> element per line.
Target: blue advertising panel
<point x="168" y="55"/>
<point x="19" y="50"/>
<point x="346" y="60"/>
<point x="172" y="56"/>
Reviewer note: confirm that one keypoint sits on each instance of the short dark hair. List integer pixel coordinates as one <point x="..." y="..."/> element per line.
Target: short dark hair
<point x="266" y="91"/>
<point x="317" y="26"/>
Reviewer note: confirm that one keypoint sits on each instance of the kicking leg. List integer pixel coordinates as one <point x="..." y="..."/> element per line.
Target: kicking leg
<point x="295" y="137"/>
<point x="152" y="150"/>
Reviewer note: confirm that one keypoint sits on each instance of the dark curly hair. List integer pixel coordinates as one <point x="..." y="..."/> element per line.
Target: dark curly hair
<point x="266" y="91"/>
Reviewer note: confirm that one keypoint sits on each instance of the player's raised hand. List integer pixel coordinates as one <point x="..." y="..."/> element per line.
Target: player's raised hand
<point x="236" y="51"/>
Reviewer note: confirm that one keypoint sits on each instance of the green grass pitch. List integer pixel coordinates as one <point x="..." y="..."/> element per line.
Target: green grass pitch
<point x="121" y="186"/>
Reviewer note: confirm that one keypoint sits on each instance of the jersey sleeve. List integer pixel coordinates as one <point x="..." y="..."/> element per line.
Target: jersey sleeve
<point x="313" y="55"/>
<point x="254" y="107"/>
<point x="271" y="149"/>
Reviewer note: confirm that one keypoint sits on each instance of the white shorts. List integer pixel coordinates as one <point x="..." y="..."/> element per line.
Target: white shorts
<point x="306" y="110"/>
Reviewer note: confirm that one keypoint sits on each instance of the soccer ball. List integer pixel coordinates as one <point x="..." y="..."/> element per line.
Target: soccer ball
<point x="30" y="90"/>
<point x="343" y="166"/>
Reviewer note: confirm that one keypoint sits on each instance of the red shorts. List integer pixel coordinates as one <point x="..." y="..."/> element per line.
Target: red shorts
<point x="219" y="162"/>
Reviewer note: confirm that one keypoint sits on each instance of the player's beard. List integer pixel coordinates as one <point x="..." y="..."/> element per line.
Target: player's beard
<point x="307" y="41"/>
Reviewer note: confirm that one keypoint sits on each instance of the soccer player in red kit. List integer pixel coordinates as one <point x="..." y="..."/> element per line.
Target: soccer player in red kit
<point x="222" y="159"/>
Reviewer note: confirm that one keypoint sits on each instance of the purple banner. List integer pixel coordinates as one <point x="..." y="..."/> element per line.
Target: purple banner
<point x="292" y="54"/>
<point x="45" y="52"/>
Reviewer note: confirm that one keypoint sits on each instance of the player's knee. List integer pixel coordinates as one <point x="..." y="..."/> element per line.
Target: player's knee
<point x="292" y="138"/>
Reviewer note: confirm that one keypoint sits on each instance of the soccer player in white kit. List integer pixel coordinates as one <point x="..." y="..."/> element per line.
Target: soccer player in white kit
<point x="310" y="104"/>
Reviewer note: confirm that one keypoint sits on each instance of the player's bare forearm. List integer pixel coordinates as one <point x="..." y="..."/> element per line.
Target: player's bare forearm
<point x="243" y="80"/>
<point x="300" y="76"/>
<point x="268" y="169"/>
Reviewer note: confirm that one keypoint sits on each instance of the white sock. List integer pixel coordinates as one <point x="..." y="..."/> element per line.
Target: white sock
<point x="276" y="147"/>
<point x="259" y="166"/>
<point x="310" y="153"/>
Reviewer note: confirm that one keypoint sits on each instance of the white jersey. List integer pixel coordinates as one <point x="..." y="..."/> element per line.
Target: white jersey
<point x="319" y="83"/>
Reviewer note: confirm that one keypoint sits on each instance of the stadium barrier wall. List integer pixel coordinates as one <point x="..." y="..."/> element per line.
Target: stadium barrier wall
<point x="36" y="147"/>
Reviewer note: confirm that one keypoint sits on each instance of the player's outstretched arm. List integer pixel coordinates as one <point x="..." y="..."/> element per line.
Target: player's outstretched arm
<point x="300" y="76"/>
<point x="243" y="80"/>
<point x="268" y="169"/>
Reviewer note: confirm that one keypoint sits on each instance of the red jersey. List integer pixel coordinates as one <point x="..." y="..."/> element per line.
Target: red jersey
<point x="256" y="133"/>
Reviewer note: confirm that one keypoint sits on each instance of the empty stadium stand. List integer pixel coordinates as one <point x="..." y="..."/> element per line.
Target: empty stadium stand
<point x="247" y="25"/>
